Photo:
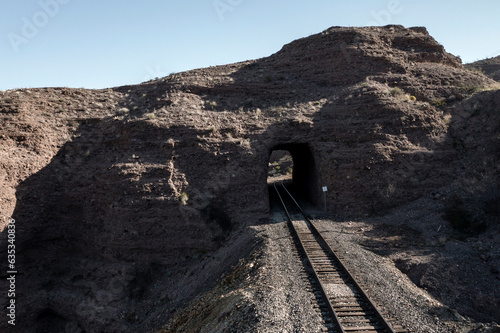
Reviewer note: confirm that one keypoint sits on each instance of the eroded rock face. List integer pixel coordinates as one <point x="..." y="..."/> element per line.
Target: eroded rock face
<point x="113" y="188"/>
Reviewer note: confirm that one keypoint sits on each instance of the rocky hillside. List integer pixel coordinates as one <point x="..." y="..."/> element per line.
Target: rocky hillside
<point x="490" y="67"/>
<point x="121" y="194"/>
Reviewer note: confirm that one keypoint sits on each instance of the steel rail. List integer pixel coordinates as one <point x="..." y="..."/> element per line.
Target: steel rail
<point x="315" y="232"/>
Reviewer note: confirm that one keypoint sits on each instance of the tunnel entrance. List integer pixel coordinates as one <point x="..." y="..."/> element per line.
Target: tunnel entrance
<point x="294" y="164"/>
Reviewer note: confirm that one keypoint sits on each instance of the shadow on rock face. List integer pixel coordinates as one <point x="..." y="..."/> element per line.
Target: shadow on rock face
<point x="106" y="211"/>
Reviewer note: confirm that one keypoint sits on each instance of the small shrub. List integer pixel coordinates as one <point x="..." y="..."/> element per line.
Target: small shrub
<point x="477" y="70"/>
<point x="389" y="191"/>
<point x="439" y="102"/>
<point x="396" y="91"/>
<point x="413" y="98"/>
<point x="472" y="88"/>
<point x="184" y="198"/>
<point x="211" y="104"/>
<point x="447" y="119"/>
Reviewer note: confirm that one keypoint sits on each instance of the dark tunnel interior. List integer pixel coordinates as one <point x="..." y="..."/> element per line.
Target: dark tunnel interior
<point x="303" y="183"/>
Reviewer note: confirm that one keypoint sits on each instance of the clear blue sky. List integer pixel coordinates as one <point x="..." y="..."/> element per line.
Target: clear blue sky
<point x="107" y="43"/>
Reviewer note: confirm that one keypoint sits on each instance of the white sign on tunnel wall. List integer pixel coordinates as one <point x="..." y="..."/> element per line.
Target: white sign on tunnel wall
<point x="325" y="189"/>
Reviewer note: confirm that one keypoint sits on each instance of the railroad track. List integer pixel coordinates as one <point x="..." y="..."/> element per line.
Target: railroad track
<point x="342" y="302"/>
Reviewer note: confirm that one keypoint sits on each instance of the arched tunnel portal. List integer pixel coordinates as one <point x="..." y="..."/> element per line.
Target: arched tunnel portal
<point x="304" y="176"/>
